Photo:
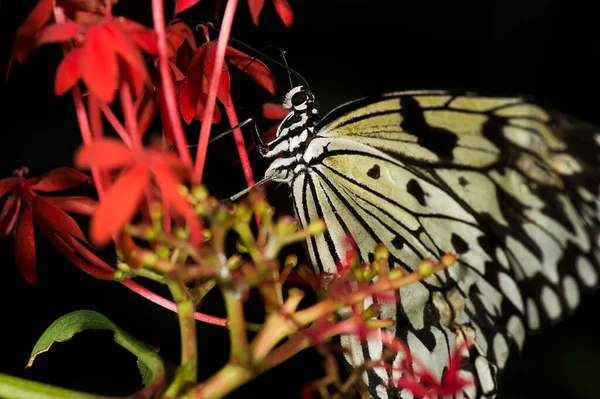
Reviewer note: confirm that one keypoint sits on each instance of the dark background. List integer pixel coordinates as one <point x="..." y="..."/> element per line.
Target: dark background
<point x="344" y="49"/>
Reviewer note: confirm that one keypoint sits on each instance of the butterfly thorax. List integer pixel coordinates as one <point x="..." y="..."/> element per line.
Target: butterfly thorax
<point x="297" y="128"/>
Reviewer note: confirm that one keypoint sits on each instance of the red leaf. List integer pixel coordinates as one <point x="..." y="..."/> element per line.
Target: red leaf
<point x="99" y="63"/>
<point x="105" y="153"/>
<point x="59" y="33"/>
<point x="183" y="5"/>
<point x="274" y="111"/>
<point x="256" y="7"/>
<point x="55" y="219"/>
<point x="67" y="72"/>
<point x="285" y="11"/>
<point x="253" y="67"/>
<point x="10" y="212"/>
<point x="25" y="245"/>
<point x="60" y="179"/>
<point x="8" y="184"/>
<point x="76" y="204"/>
<point x="119" y="205"/>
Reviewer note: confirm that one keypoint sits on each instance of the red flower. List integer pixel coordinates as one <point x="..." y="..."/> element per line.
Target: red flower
<point x="24" y="205"/>
<point x="183" y="5"/>
<point x="109" y="51"/>
<point x="194" y="90"/>
<point x="420" y="381"/>
<point x="281" y="6"/>
<point x="27" y="34"/>
<point x="122" y="199"/>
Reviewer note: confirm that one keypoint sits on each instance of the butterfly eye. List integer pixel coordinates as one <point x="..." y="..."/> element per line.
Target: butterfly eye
<point x="299" y="99"/>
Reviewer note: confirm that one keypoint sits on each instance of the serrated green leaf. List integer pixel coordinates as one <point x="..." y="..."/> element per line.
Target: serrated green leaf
<point x="63" y="329"/>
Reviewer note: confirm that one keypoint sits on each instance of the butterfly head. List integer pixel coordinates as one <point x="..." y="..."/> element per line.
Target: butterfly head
<point x="300" y="99"/>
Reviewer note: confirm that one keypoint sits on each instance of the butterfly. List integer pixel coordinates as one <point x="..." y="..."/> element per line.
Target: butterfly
<point x="509" y="186"/>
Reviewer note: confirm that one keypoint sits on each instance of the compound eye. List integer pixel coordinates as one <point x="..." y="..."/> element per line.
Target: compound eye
<point x="299" y="99"/>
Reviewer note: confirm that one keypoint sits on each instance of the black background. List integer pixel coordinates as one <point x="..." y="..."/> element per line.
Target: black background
<point x="344" y="49"/>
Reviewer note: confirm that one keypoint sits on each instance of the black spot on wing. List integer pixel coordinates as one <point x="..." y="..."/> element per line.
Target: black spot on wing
<point x="437" y="140"/>
<point x="398" y="242"/>
<point x="459" y="244"/>
<point x="374" y="172"/>
<point x="463" y="181"/>
<point x="414" y="188"/>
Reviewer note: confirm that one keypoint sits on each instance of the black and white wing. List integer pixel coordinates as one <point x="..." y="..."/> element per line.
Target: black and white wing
<point x="508" y="186"/>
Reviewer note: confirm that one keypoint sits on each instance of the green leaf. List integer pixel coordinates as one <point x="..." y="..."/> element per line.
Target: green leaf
<point x="150" y="364"/>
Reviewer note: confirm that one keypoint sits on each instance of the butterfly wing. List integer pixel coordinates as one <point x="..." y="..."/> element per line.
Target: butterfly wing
<point x="509" y="187"/>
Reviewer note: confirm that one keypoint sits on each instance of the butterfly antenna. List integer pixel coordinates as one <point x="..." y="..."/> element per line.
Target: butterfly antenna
<point x="221" y="135"/>
<point x="244" y="191"/>
<point x="255" y="51"/>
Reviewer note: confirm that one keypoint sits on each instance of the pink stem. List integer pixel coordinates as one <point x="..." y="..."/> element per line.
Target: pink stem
<point x="131" y="124"/>
<point x="173" y="120"/>
<point x="142" y="291"/>
<point x="240" y="144"/>
<point x="215" y="79"/>
<point x="115" y="123"/>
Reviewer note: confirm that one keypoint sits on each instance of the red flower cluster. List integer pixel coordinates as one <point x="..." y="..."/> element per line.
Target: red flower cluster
<point x="24" y="206"/>
<point x="139" y="168"/>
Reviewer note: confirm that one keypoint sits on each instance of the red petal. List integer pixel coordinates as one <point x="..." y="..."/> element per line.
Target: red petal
<point x="119" y="205"/>
<point x="67" y="72"/>
<point x="60" y="179"/>
<point x="67" y="250"/>
<point x="10" y="212"/>
<point x="105" y="153"/>
<point x="253" y="67"/>
<point x="143" y="37"/>
<point x="77" y="204"/>
<point x="99" y="63"/>
<point x="59" y="33"/>
<point x="183" y="5"/>
<point x="189" y="94"/>
<point x="224" y="84"/>
<point x="168" y="183"/>
<point x="8" y="184"/>
<point x="25" y="245"/>
<point x="255" y="9"/>
<point x="125" y="48"/>
<point x="54" y="219"/>
<point x="37" y="18"/>
<point x="177" y="74"/>
<point x="199" y="112"/>
<point x="285" y="11"/>
<point x="274" y="111"/>
<point x="145" y="108"/>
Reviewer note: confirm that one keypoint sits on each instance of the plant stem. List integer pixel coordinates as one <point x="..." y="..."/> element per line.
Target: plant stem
<point x="240" y="144"/>
<point x="187" y="372"/>
<point x="223" y="382"/>
<point x="240" y="351"/>
<point x="215" y="79"/>
<point x="19" y="388"/>
<point x="168" y="88"/>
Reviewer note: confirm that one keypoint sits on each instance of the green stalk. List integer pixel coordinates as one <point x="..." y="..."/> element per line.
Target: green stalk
<point x="187" y="371"/>
<point x="20" y="388"/>
<point x="240" y="350"/>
